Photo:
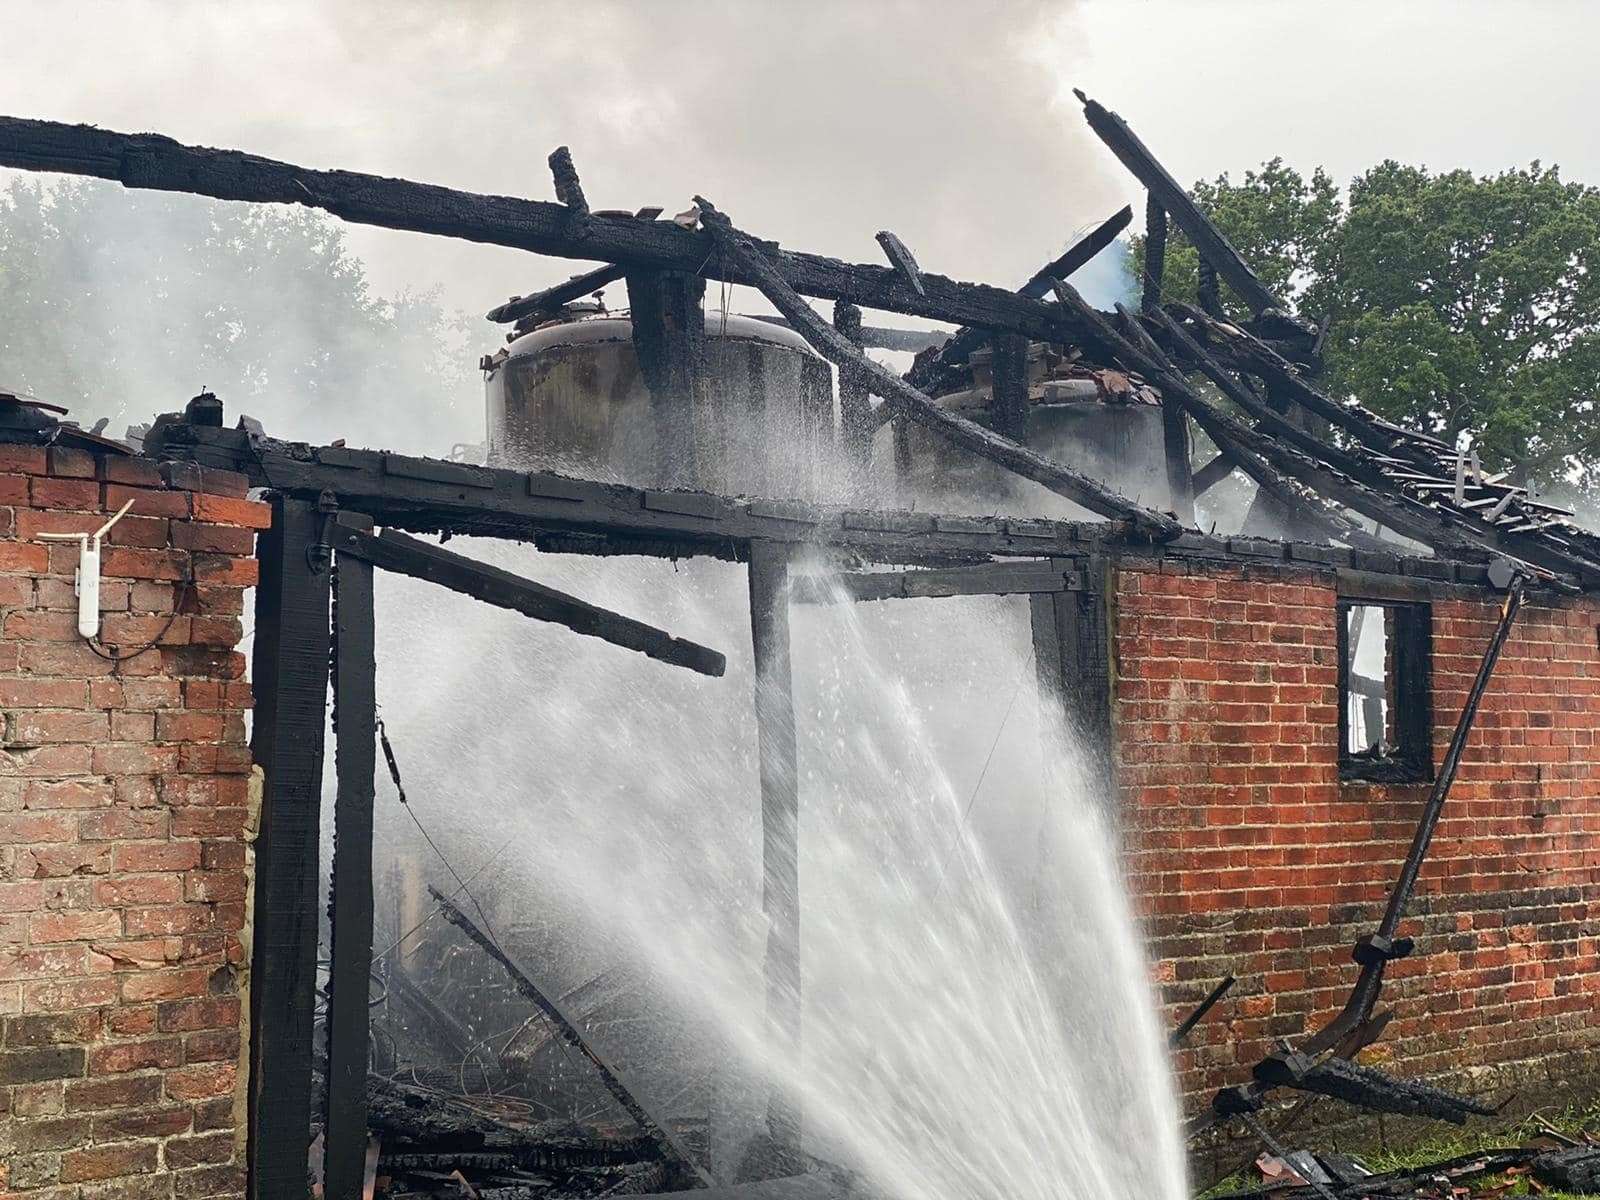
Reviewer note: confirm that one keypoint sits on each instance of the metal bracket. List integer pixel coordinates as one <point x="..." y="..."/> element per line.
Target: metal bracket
<point x="319" y="554"/>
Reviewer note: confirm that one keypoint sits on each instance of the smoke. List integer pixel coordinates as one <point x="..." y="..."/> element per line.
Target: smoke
<point x="814" y="124"/>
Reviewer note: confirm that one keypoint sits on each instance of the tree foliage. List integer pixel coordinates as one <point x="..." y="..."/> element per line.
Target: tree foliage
<point x="1457" y="302"/>
<point x="124" y="304"/>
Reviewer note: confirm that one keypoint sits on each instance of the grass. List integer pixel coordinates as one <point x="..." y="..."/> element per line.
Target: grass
<point x="1448" y="1142"/>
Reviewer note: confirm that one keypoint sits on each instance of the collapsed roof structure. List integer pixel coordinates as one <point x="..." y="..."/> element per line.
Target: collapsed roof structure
<point x="1326" y="463"/>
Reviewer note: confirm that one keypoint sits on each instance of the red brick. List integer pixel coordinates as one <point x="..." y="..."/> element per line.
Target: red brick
<point x="29" y="460"/>
<point x="45" y="928"/>
<point x="187" y="1016"/>
<point x="119" y="824"/>
<point x="134" y="563"/>
<point x="80" y="494"/>
<point x="223" y="510"/>
<point x="131" y="470"/>
<point x="148" y="502"/>
<point x="42" y="693"/>
<point x="30" y="558"/>
<point x="156" y="856"/>
<point x="109" y="1161"/>
<point x="122" y="1057"/>
<point x="201" y="1082"/>
<point x="95" y="1095"/>
<point x="13" y="489"/>
<point x="69" y="463"/>
<point x="136" y="891"/>
<point x="217" y="539"/>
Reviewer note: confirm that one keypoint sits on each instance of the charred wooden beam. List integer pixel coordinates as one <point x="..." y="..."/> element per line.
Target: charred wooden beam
<point x="981" y="579"/>
<point x="902" y="260"/>
<point x="350" y="917"/>
<point x="1008" y="400"/>
<point x="1186" y="1026"/>
<point x="1155" y="252"/>
<point x="568" y="190"/>
<point x="1397" y="512"/>
<point x="912" y="404"/>
<point x="431" y="495"/>
<point x="1174" y="198"/>
<point x="1213" y="472"/>
<point x="655" y="1129"/>
<point x="404" y="555"/>
<point x="290" y="675"/>
<point x="551" y="299"/>
<point x="153" y="161"/>
<point x="780" y="825"/>
<point x="669" y="337"/>
<point x="954" y="354"/>
<point x="1353" y="481"/>
<point x="1208" y="290"/>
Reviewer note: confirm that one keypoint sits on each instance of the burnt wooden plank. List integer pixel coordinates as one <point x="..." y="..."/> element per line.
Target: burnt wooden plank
<point x="1174" y="198"/>
<point x="1008" y="406"/>
<point x="290" y="677"/>
<point x="404" y="555"/>
<point x="152" y="161"/>
<point x="669" y="337"/>
<point x="355" y="722"/>
<point x="551" y="299"/>
<point x="980" y="579"/>
<point x="902" y="260"/>
<point x="780" y="823"/>
<point x="907" y="401"/>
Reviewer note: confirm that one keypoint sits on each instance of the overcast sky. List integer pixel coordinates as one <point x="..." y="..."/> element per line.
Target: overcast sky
<point x="816" y="122"/>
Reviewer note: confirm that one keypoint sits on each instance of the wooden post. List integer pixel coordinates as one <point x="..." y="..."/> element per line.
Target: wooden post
<point x="780" y="822"/>
<point x="355" y="723"/>
<point x="1008" y="406"/>
<point x="669" y="336"/>
<point x="1180" y="471"/>
<point x="1155" y="252"/>
<point x="290" y="675"/>
<point x="1072" y="654"/>
<point x="856" y="425"/>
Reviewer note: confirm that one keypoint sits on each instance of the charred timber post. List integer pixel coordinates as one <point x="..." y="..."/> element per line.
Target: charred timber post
<point x="780" y="823"/>
<point x="1072" y="657"/>
<point x="902" y="260"/>
<point x="568" y="190"/>
<point x="1155" y="252"/>
<point x="290" y="672"/>
<point x="1008" y="406"/>
<point x="669" y="337"/>
<point x="355" y="718"/>
<point x="907" y="401"/>
<point x="1165" y="190"/>
<point x="856" y="424"/>
<point x="543" y="227"/>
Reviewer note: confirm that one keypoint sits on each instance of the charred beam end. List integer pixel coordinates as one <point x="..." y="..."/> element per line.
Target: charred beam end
<point x="669" y="338"/>
<point x="1164" y="189"/>
<point x="551" y="299"/>
<point x="1213" y="473"/>
<point x="902" y="260"/>
<point x="568" y="190"/>
<point x="410" y="556"/>
<point x="912" y="404"/>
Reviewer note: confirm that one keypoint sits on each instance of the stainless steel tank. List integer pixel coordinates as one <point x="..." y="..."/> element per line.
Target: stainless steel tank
<point x="1100" y="422"/>
<point x="569" y="396"/>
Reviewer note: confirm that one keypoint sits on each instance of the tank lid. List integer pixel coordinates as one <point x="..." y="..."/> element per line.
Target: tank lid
<point x="619" y="329"/>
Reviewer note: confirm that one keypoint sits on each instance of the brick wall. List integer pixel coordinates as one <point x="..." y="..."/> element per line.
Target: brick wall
<point x="124" y="799"/>
<point x="1249" y="856"/>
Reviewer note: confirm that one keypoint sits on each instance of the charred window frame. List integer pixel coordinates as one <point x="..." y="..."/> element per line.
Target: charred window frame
<point x="1385" y="717"/>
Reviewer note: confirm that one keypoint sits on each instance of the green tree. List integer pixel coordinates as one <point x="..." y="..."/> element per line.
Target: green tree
<point x="1457" y="302"/>
<point x="123" y="304"/>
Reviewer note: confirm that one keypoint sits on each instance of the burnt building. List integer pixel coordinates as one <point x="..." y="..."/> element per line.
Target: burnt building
<point x="1354" y="759"/>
